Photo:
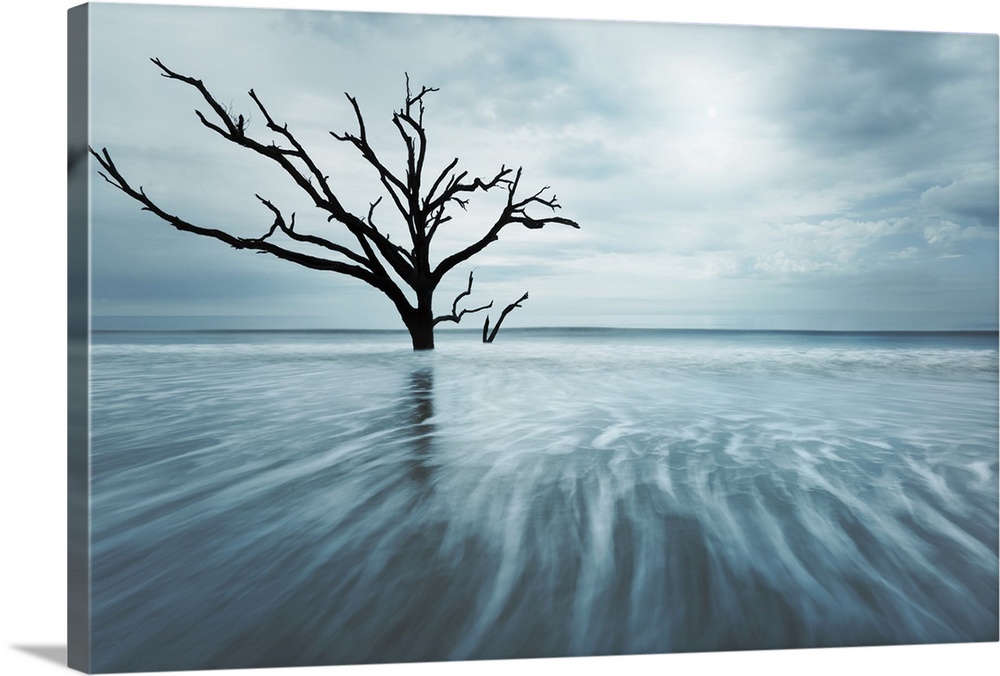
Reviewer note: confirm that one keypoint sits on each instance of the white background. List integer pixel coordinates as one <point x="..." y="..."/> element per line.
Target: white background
<point x="32" y="371"/>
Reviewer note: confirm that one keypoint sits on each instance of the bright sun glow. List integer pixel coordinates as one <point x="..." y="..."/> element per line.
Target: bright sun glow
<point x="712" y="112"/>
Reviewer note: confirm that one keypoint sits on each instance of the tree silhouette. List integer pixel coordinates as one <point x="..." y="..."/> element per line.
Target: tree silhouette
<point x="404" y="274"/>
<point x="488" y="335"/>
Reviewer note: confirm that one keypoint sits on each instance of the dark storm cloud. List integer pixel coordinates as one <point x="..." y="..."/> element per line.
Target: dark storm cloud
<point x="851" y="90"/>
<point x="971" y="199"/>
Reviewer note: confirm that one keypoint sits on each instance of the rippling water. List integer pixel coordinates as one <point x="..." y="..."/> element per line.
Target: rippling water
<point x="265" y="499"/>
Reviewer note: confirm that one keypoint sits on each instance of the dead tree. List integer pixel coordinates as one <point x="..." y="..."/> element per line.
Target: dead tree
<point x="488" y="335"/>
<point x="404" y="274"/>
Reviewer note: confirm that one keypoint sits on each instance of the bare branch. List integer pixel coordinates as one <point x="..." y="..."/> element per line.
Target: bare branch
<point x="235" y="131"/>
<point x="222" y="113"/>
<point x="455" y="315"/>
<point x="519" y="215"/>
<point x="503" y="315"/>
<point x="289" y="230"/>
<point x="323" y="198"/>
<point x="455" y="186"/>
<point x="371" y="211"/>
<point x="410" y="100"/>
<point x="360" y="141"/>
<point x="299" y="151"/>
<point x="539" y="223"/>
<point x="396" y="250"/>
<point x="514" y="212"/>
<point x="437" y="182"/>
<point x="115" y="177"/>
<point x="436" y="219"/>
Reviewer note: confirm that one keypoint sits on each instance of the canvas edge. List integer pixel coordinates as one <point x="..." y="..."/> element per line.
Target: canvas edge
<point x="78" y="341"/>
<point x="78" y="344"/>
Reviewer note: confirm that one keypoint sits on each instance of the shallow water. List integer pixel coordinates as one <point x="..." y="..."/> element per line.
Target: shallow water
<point x="264" y="499"/>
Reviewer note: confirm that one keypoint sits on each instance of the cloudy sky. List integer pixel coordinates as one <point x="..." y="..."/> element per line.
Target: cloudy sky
<point x="723" y="177"/>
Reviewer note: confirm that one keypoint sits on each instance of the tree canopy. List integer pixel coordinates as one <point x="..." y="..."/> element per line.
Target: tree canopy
<point x="421" y="198"/>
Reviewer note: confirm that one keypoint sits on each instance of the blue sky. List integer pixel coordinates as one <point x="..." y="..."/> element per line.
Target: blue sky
<point x="723" y="177"/>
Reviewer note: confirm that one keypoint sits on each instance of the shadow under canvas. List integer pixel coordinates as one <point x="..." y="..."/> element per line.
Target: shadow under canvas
<point x="49" y="653"/>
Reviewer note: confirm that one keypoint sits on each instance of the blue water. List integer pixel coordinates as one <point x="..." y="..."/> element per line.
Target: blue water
<point x="270" y="498"/>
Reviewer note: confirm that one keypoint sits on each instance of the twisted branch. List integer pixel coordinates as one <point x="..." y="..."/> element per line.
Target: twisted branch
<point x="503" y="315"/>
<point x="289" y="230"/>
<point x="514" y="212"/>
<point x="455" y="315"/>
<point x="112" y="175"/>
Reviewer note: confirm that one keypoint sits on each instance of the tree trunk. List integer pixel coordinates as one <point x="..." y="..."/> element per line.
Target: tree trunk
<point x="422" y="333"/>
<point x="420" y="322"/>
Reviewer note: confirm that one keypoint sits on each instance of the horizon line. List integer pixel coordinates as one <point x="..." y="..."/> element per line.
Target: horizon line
<point x="549" y="328"/>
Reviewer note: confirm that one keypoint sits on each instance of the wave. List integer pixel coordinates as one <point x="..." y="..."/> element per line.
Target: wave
<point x="280" y="500"/>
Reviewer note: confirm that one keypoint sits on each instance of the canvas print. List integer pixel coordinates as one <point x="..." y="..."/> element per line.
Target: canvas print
<point x="405" y="338"/>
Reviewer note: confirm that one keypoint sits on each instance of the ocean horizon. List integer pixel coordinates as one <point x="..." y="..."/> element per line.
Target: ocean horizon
<point x="569" y="330"/>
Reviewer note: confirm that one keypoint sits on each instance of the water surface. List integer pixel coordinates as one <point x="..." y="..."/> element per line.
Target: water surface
<point x="265" y="499"/>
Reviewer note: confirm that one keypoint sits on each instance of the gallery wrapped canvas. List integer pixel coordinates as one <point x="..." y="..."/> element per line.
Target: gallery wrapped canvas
<point x="421" y="338"/>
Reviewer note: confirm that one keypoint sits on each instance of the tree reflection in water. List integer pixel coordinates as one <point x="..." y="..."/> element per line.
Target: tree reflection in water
<point x="420" y="414"/>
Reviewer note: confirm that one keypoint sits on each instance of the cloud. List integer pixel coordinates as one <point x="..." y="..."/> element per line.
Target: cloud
<point x="971" y="197"/>
<point x="847" y="91"/>
<point x="833" y="160"/>
<point x="951" y="233"/>
<point x="590" y="159"/>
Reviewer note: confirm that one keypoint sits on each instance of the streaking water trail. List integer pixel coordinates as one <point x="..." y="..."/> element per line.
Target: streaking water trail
<point x="296" y="499"/>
